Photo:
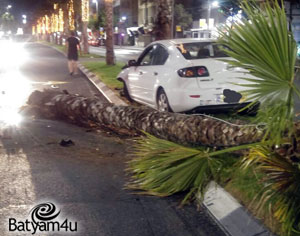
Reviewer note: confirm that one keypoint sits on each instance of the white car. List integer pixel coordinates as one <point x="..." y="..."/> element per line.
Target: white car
<point x="183" y="75"/>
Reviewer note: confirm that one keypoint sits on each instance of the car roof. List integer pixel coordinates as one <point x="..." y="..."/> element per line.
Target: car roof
<point x="172" y="42"/>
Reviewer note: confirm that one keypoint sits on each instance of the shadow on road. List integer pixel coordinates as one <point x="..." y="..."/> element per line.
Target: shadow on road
<point x="86" y="181"/>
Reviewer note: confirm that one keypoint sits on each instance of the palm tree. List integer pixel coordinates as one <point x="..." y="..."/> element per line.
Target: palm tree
<point x="108" y="4"/>
<point x="84" y="22"/>
<point x="64" y="6"/>
<point x="163" y="23"/>
<point x="180" y="128"/>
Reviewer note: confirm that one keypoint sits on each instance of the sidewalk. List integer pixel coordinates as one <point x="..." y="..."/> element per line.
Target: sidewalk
<point x="228" y="213"/>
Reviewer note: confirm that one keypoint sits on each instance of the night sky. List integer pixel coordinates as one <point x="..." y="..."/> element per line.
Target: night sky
<point x="27" y="7"/>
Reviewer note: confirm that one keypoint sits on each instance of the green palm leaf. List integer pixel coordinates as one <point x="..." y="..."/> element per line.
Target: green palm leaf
<point x="264" y="47"/>
<point x="163" y="168"/>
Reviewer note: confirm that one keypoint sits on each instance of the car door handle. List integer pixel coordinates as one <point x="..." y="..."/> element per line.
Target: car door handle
<point x="141" y="72"/>
<point x="155" y="73"/>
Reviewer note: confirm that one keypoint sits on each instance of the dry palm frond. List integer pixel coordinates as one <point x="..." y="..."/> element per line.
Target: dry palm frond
<point x="281" y="189"/>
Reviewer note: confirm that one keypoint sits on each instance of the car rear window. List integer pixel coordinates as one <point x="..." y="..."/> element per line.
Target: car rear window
<point x="199" y="50"/>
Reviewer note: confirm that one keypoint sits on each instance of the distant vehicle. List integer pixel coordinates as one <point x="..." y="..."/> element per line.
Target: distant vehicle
<point x="92" y="41"/>
<point x="183" y="75"/>
<point x="5" y="38"/>
<point x="96" y="42"/>
<point x="203" y="34"/>
<point x="22" y="38"/>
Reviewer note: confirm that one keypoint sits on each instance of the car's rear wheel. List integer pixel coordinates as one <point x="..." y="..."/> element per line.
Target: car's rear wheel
<point x="162" y="101"/>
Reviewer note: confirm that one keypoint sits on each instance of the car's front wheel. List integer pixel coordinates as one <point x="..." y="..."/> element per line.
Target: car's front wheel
<point x="126" y="93"/>
<point x="162" y="101"/>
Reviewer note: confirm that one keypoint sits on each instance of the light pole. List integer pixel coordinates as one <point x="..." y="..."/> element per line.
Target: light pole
<point x="214" y="4"/>
<point x="96" y="2"/>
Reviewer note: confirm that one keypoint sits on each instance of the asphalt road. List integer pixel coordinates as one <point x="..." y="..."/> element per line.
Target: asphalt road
<point x="86" y="180"/>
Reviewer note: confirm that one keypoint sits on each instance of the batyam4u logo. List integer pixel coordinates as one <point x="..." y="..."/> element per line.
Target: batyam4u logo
<point x="44" y="218"/>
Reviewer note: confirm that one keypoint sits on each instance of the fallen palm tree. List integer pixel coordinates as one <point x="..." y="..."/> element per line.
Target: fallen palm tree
<point x="179" y="128"/>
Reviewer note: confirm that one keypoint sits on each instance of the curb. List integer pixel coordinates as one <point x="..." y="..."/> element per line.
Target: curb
<point x="104" y="90"/>
<point x="230" y="215"/>
<point x="226" y="211"/>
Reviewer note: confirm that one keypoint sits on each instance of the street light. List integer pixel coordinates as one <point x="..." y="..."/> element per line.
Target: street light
<point x="8" y="7"/>
<point x="215" y="4"/>
<point x="24" y="19"/>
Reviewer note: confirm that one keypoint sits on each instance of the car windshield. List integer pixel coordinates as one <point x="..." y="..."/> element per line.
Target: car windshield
<point x="199" y="50"/>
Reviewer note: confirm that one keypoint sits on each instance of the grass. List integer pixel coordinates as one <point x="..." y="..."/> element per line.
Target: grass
<point x="107" y="73"/>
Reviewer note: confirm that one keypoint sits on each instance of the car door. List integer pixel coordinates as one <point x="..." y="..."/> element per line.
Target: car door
<point x="137" y="73"/>
<point x="156" y="73"/>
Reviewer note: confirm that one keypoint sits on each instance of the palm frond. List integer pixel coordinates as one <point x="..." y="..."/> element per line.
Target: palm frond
<point x="263" y="45"/>
<point x="281" y="189"/>
<point x="163" y="168"/>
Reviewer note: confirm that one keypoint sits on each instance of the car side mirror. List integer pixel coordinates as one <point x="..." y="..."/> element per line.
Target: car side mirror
<point x="132" y="63"/>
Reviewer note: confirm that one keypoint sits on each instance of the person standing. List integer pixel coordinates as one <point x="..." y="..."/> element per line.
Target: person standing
<point x="73" y="45"/>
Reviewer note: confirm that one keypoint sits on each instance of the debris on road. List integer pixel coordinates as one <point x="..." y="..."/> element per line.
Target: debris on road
<point x="66" y="143"/>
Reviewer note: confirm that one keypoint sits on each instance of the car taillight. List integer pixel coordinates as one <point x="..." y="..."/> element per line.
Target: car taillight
<point x="197" y="71"/>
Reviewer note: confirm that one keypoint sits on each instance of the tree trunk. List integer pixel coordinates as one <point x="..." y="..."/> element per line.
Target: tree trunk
<point x="66" y="18"/>
<point x="179" y="128"/>
<point x="109" y="32"/>
<point x="85" y="37"/>
<point x="163" y="24"/>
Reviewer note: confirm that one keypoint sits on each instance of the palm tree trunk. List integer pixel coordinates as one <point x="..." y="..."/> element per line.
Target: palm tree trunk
<point x="180" y="128"/>
<point x="66" y="19"/>
<point x="109" y="32"/>
<point x="163" y="24"/>
<point x="85" y="37"/>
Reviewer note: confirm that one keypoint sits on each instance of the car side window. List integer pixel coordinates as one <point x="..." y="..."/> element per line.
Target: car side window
<point x="146" y="58"/>
<point x="160" y="55"/>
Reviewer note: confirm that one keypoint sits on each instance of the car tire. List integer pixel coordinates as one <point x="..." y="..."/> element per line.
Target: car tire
<point x="163" y="102"/>
<point x="126" y="93"/>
